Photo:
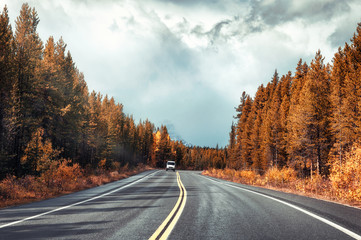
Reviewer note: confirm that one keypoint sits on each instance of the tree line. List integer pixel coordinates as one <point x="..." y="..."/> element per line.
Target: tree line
<point x="47" y="112"/>
<point x="304" y="120"/>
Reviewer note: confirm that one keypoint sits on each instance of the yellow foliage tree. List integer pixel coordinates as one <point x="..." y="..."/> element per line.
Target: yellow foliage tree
<point x="39" y="155"/>
<point x="346" y="175"/>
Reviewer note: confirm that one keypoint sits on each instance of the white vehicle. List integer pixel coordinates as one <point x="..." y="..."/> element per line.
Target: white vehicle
<point x="170" y="166"/>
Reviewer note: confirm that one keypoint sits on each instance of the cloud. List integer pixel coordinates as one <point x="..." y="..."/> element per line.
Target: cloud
<point x="189" y="3"/>
<point x="114" y="27"/>
<point x="185" y="63"/>
<point x="220" y="5"/>
<point x="345" y="26"/>
<point x="273" y="12"/>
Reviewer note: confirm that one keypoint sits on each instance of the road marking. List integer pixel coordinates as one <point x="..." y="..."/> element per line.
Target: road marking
<point x="168" y="224"/>
<point x="328" y="222"/>
<point x="77" y="203"/>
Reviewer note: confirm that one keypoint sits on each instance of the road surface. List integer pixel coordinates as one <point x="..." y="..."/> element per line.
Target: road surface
<point x="183" y="205"/>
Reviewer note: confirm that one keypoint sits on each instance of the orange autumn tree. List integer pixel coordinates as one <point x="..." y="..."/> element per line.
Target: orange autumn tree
<point x="41" y="159"/>
<point x="313" y="117"/>
<point x="302" y="121"/>
<point x="39" y="155"/>
<point x="345" y="176"/>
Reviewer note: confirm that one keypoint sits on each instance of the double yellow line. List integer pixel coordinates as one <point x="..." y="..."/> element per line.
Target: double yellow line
<point x="167" y="226"/>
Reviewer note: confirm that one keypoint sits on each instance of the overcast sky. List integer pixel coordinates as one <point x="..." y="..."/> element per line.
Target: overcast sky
<point x="184" y="63"/>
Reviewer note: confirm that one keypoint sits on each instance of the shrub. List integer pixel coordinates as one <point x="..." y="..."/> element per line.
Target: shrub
<point x="12" y="188"/>
<point x="226" y="173"/>
<point x="281" y="177"/>
<point x="66" y="175"/>
<point x="345" y="176"/>
<point x="8" y="189"/>
<point x="248" y="176"/>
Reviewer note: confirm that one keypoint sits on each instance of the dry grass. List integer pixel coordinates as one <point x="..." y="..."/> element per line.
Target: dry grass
<point x="62" y="180"/>
<point x="286" y="180"/>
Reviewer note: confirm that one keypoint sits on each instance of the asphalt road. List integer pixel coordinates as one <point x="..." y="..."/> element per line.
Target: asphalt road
<point x="197" y="207"/>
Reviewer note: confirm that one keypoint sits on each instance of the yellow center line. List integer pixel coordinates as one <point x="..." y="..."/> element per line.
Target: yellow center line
<point x="168" y="224"/>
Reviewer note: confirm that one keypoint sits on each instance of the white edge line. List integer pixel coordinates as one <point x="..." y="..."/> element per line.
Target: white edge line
<point x="77" y="203"/>
<point x="332" y="224"/>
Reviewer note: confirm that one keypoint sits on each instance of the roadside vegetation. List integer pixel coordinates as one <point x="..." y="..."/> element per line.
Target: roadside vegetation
<point x="56" y="136"/>
<point x="342" y="184"/>
<point x="62" y="178"/>
<point x="301" y="132"/>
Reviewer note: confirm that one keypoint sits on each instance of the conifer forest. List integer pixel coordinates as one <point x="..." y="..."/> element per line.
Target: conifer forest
<point x="48" y="114"/>
<point x="307" y="120"/>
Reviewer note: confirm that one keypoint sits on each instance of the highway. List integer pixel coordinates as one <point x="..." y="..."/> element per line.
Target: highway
<point x="182" y="205"/>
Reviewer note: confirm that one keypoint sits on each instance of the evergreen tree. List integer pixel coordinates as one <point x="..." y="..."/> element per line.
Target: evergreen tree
<point x="243" y="132"/>
<point x="25" y="97"/>
<point x="339" y="126"/>
<point x="231" y="158"/>
<point x="147" y="147"/>
<point x="294" y="123"/>
<point x="270" y="131"/>
<point x="163" y="150"/>
<point x="96" y="138"/>
<point x="50" y="98"/>
<point x="313" y="132"/>
<point x="254" y="158"/>
<point x="6" y="81"/>
<point x="39" y="154"/>
<point x="283" y="116"/>
<point x="239" y="109"/>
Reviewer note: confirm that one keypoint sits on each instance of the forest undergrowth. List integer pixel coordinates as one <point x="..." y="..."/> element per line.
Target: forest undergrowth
<point x="342" y="185"/>
<point x="63" y="179"/>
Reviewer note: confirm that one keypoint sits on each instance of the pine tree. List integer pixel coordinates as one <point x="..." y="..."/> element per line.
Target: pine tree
<point x="231" y="158"/>
<point x="243" y="131"/>
<point x="351" y="108"/>
<point x="312" y="128"/>
<point x="132" y="142"/>
<point x="95" y="135"/>
<point x="75" y="108"/>
<point x="114" y="137"/>
<point x="271" y="126"/>
<point x="283" y="116"/>
<point x="39" y="154"/>
<point x="239" y="109"/>
<point x="25" y="105"/>
<point x="338" y="94"/>
<point x="50" y="99"/>
<point x="6" y="81"/>
<point x="163" y="151"/>
<point x="147" y="147"/>
<point x="294" y="123"/>
<point x="243" y="110"/>
<point x="254" y="122"/>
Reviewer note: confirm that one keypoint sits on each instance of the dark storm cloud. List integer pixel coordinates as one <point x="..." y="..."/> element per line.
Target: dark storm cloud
<point x="279" y="11"/>
<point x="343" y="33"/>
<point x="215" y="32"/>
<point x="227" y="29"/>
<point x="264" y="14"/>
